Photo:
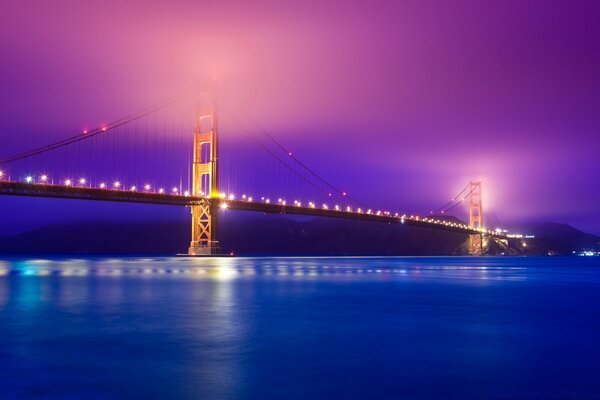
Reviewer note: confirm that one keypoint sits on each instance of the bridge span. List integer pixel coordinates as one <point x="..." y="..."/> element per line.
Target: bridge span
<point x="111" y="152"/>
<point x="224" y="203"/>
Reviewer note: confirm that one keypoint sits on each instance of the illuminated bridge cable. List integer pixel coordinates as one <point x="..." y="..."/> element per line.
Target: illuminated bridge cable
<point x="488" y="218"/>
<point x="304" y="166"/>
<point x="280" y="160"/>
<point x="496" y="217"/>
<point x="304" y="178"/>
<point x="461" y="200"/>
<point x="450" y="202"/>
<point x="94" y="132"/>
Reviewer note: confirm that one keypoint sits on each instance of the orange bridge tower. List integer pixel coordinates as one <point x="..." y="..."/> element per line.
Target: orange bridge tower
<point x="475" y="218"/>
<point x="205" y="183"/>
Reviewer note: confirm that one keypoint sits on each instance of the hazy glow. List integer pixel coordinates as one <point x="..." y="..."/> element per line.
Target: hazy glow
<point x="429" y="93"/>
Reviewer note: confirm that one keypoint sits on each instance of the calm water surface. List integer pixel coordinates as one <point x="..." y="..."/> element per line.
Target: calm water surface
<point x="300" y="328"/>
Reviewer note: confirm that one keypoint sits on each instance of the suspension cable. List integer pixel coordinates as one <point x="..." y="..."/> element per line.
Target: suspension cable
<point x="301" y="164"/>
<point x="450" y="202"/>
<point x="96" y="131"/>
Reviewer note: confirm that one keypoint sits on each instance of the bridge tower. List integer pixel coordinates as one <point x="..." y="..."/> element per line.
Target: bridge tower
<point x="475" y="218"/>
<point x="205" y="183"/>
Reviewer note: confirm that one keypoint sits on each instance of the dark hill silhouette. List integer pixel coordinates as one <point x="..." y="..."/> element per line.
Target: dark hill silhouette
<point x="251" y="234"/>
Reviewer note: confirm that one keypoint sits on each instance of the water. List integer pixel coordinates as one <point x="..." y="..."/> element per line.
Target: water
<point x="300" y="328"/>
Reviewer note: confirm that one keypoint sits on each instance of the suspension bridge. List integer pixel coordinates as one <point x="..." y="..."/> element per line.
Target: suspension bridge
<point x="170" y="154"/>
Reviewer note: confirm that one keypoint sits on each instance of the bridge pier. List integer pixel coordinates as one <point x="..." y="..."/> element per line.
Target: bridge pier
<point x="204" y="229"/>
<point x="476" y="244"/>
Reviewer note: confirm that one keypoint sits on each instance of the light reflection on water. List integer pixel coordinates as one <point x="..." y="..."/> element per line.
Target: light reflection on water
<point x="236" y="268"/>
<point x="296" y="328"/>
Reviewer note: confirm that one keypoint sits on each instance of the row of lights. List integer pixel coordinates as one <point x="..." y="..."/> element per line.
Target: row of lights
<point x="117" y="185"/>
<point x="456" y="225"/>
<point x="403" y="217"/>
<point x="311" y="204"/>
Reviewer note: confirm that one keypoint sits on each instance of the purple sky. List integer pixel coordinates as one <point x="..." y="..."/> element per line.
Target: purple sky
<point x="399" y="102"/>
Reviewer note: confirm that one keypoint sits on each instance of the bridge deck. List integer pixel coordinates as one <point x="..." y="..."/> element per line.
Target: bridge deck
<point x="87" y="193"/>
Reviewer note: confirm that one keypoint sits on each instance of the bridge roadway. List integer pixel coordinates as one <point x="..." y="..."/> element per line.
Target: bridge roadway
<point x="87" y="193"/>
